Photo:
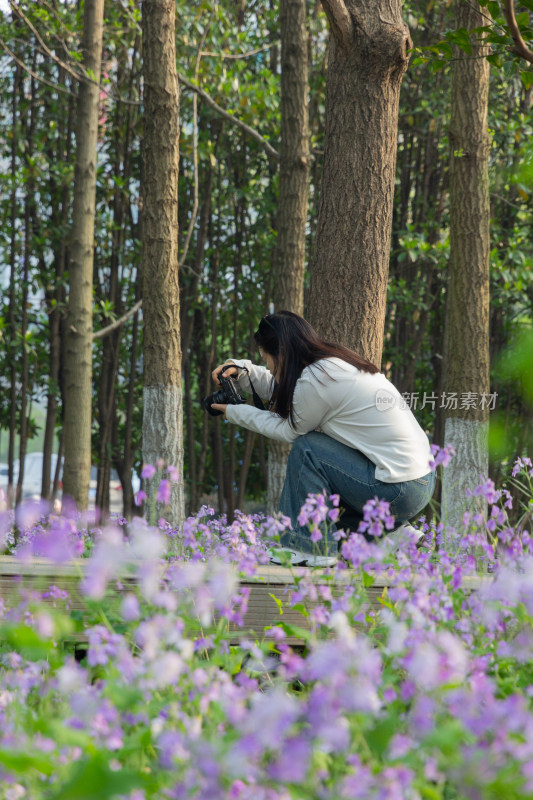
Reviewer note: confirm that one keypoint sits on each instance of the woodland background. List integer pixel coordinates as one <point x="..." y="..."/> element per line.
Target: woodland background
<point x="227" y="207"/>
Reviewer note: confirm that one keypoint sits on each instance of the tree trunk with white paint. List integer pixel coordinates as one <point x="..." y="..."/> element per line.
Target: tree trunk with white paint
<point x="289" y="256"/>
<point x="77" y="367"/>
<point x="162" y="394"/>
<point x="466" y="345"/>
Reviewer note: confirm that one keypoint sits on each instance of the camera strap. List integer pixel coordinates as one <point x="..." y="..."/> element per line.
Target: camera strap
<point x="258" y="403"/>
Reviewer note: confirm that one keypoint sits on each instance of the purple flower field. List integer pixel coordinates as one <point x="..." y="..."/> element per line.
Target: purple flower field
<point x="428" y="698"/>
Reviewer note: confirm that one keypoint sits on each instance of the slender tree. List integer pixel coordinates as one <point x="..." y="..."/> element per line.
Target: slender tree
<point x="60" y="152"/>
<point x="366" y="62"/>
<point x="28" y="128"/>
<point x="162" y="395"/>
<point x="466" y="345"/>
<point x="12" y="341"/>
<point x="79" y="327"/>
<point x="289" y="255"/>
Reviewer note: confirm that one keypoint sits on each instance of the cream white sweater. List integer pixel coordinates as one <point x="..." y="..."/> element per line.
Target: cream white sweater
<point x="361" y="410"/>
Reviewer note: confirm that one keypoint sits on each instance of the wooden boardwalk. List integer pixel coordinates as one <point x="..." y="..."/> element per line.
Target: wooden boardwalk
<point x="270" y="582"/>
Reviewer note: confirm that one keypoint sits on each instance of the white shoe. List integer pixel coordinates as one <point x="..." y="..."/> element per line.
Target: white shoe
<point x="286" y="556"/>
<point x="405" y="533"/>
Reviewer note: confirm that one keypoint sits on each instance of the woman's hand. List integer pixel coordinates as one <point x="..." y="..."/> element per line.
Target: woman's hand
<point x="227" y="372"/>
<point x="220" y="407"/>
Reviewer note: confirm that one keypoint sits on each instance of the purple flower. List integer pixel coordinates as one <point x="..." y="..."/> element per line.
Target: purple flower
<point x="163" y="492"/>
<point x="400" y="745"/>
<point x="29" y="512"/>
<point x="173" y="473"/>
<point x="140" y="497"/>
<point x="488" y="491"/>
<point x="438" y="660"/>
<point x="509" y="500"/>
<point x="6" y="520"/>
<point x="316" y="536"/>
<point x="271" y="715"/>
<point x="522" y="464"/>
<point x="222" y="584"/>
<point x="130" y="607"/>
<point x="104" y="564"/>
<point x="103" y="645"/>
<point x="292" y="764"/>
<point x="56" y="593"/>
<point x="313" y="511"/>
<point x="166" y="669"/>
<point x="441" y="455"/>
<point x="376" y="517"/>
<point x="55" y="543"/>
<point x="148" y="471"/>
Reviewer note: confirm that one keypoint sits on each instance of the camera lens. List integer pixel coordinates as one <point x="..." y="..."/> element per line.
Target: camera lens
<point x="216" y="397"/>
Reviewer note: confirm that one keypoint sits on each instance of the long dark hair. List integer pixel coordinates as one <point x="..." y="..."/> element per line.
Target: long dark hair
<point x="294" y="345"/>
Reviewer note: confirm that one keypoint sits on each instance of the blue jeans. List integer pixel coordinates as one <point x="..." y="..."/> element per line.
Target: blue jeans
<point x="317" y="463"/>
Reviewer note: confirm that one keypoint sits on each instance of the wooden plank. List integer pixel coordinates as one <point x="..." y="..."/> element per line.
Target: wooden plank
<point x="39" y="574"/>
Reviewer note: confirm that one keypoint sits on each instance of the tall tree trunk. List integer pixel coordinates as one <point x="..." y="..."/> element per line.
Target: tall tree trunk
<point x="289" y="256"/>
<point x="125" y="464"/>
<point x="55" y="293"/>
<point x="79" y="328"/>
<point x="122" y="448"/>
<point x="107" y="381"/>
<point x="12" y="287"/>
<point x="28" y="130"/>
<point x="367" y="60"/>
<point x="162" y="396"/>
<point x="466" y="344"/>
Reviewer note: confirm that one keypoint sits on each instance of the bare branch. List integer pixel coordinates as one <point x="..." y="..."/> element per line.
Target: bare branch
<point x="521" y="49"/>
<point x="339" y="20"/>
<point x="114" y="325"/>
<point x="504" y="200"/>
<point x="235" y="120"/>
<point x="32" y="73"/>
<point x="80" y="76"/>
<point x="225" y="56"/>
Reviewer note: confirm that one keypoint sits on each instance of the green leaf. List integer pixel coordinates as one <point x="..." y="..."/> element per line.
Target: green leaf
<point x="522" y="19"/>
<point x="429" y="792"/>
<point x="527" y="79"/>
<point x="495" y="59"/>
<point x="230" y="662"/>
<point x="92" y="779"/>
<point x="278" y="602"/>
<point x="123" y="697"/>
<point x="22" y="762"/>
<point x="297" y="632"/>
<point x="379" y="737"/>
<point x="368" y="579"/>
<point x="301" y="608"/>
<point x="447" y="737"/>
<point x="26" y="641"/>
<point x="461" y="38"/>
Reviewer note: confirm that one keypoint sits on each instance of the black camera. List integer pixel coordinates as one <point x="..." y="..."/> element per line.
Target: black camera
<point x="228" y="393"/>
